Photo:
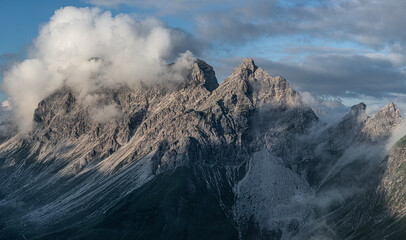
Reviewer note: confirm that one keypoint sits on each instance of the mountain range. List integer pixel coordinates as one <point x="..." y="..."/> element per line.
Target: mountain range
<point x="244" y="159"/>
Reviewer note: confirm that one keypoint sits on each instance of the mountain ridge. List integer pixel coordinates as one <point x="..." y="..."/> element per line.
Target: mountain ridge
<point x="247" y="143"/>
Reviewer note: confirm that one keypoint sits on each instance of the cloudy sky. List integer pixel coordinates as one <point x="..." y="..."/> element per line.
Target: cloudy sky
<point x="333" y="51"/>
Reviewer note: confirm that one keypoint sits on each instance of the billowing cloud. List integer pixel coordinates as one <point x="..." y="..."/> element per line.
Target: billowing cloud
<point x="86" y="48"/>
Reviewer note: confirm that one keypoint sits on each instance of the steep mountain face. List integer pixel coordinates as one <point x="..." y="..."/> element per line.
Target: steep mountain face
<point x="193" y="160"/>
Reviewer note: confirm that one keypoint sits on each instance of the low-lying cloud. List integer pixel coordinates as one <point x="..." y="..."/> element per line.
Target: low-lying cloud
<point x="86" y="48"/>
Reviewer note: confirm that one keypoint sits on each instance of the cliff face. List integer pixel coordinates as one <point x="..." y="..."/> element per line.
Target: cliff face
<point x="245" y="150"/>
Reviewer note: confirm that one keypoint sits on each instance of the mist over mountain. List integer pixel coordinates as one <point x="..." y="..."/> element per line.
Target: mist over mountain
<point x="195" y="159"/>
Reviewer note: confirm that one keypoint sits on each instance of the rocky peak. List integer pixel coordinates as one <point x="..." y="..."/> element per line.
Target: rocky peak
<point x="381" y="124"/>
<point x="343" y="133"/>
<point x="354" y="118"/>
<point x="260" y="87"/>
<point x="358" y="109"/>
<point x="248" y="63"/>
<point x="391" y="108"/>
<point x="202" y="73"/>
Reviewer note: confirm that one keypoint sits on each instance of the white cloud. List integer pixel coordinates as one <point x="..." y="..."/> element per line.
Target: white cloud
<point x="85" y="48"/>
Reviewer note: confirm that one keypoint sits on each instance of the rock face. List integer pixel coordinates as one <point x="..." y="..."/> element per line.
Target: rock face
<point x="195" y="160"/>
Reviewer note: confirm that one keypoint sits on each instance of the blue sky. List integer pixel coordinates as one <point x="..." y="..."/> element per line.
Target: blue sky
<point x="346" y="51"/>
<point x="20" y="21"/>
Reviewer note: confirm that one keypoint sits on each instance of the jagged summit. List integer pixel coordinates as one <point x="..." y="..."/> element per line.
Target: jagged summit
<point x="353" y="119"/>
<point x="358" y="109"/>
<point x="381" y="124"/>
<point x="382" y="121"/>
<point x="356" y="126"/>
<point x="370" y="127"/>
<point x="203" y="73"/>
<point x="260" y="86"/>
<point x="390" y="107"/>
<point x="248" y="63"/>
